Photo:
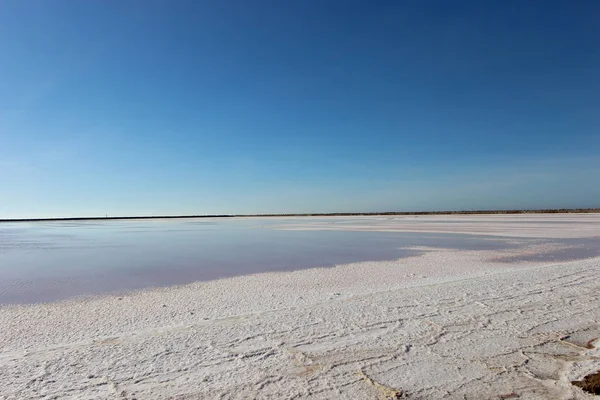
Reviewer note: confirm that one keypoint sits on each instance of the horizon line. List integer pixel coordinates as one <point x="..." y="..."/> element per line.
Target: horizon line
<point x="347" y="214"/>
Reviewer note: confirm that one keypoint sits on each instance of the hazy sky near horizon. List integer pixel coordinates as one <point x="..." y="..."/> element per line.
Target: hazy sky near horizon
<point x="124" y="107"/>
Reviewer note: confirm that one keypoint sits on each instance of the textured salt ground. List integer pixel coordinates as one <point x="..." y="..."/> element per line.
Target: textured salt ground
<point x="447" y="324"/>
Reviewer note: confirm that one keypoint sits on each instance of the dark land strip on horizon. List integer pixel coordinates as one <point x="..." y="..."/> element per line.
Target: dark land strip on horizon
<point x="392" y="213"/>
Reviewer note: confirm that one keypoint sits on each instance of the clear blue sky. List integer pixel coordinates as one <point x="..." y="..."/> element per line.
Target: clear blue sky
<point x="159" y="107"/>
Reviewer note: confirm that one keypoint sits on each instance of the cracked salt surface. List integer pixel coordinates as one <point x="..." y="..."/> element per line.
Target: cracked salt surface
<point x="446" y="324"/>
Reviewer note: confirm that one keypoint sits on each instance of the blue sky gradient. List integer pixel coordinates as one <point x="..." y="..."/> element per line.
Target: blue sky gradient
<point x="199" y="107"/>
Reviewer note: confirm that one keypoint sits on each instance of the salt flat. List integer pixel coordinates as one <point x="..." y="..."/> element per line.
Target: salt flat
<point x="514" y="225"/>
<point x="446" y="323"/>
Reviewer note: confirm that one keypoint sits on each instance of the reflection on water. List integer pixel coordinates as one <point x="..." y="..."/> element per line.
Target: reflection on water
<point x="51" y="261"/>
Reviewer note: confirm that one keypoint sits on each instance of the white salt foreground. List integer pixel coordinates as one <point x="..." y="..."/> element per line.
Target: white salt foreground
<point x="446" y="324"/>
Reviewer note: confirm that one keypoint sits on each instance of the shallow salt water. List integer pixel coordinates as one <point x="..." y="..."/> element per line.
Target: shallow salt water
<point x="47" y="261"/>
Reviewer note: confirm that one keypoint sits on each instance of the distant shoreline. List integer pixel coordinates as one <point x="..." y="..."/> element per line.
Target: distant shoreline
<point x="400" y="213"/>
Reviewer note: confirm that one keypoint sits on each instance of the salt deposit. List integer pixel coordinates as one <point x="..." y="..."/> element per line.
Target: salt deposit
<point x="445" y="324"/>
